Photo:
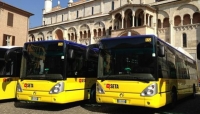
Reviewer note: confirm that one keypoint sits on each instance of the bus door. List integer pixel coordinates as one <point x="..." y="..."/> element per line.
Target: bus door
<point x="7" y="81"/>
<point x="9" y="74"/>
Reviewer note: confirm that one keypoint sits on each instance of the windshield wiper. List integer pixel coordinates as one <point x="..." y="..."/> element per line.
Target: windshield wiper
<point x="41" y="77"/>
<point x="145" y="81"/>
<point x="124" y="78"/>
<point x="103" y="78"/>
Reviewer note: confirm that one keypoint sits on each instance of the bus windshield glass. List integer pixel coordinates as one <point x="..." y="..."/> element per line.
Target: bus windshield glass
<point x="127" y="59"/>
<point x="43" y="60"/>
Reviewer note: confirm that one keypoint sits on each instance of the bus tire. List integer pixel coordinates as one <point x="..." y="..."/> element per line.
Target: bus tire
<point x="92" y="99"/>
<point x="173" y="98"/>
<point x="18" y="104"/>
<point x="193" y="92"/>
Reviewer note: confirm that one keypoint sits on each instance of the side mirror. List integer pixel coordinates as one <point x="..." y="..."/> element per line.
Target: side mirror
<point x="198" y="51"/>
<point x="91" y="46"/>
<point x="71" y="54"/>
<point x="9" y="53"/>
<point x="26" y="54"/>
<point x="161" y="51"/>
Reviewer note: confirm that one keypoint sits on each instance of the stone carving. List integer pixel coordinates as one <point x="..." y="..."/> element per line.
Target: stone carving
<point x="130" y="1"/>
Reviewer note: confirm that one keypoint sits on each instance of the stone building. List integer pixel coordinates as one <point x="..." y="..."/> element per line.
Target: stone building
<point x="86" y="21"/>
<point x="14" y="25"/>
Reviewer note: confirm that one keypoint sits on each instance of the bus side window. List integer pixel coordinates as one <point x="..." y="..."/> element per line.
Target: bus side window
<point x="8" y="69"/>
<point x="91" y="69"/>
<point x="173" y="73"/>
<point x="160" y="71"/>
<point x="2" y="70"/>
<point x="75" y="66"/>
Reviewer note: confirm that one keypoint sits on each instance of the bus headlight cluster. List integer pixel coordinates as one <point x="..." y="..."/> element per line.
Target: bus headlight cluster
<point x="150" y="90"/>
<point x="19" y="88"/>
<point x="99" y="89"/>
<point x="59" y="87"/>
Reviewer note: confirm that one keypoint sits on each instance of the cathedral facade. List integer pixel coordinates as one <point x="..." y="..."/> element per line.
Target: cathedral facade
<point x="86" y="21"/>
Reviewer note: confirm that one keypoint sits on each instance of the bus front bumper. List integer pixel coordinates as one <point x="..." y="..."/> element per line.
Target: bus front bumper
<point x="45" y="97"/>
<point x="155" y="101"/>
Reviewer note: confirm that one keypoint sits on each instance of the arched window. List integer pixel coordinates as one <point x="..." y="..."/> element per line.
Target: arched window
<point x="184" y="40"/>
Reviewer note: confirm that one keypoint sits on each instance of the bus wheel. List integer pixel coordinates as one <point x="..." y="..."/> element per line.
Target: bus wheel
<point x="193" y="92"/>
<point x="173" y="99"/>
<point x="18" y="104"/>
<point x="93" y="95"/>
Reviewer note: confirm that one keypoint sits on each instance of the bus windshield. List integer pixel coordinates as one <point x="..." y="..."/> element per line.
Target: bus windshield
<point x="43" y="60"/>
<point x="134" y="59"/>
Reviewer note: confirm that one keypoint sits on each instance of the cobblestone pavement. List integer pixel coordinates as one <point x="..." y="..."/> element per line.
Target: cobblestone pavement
<point x="186" y="106"/>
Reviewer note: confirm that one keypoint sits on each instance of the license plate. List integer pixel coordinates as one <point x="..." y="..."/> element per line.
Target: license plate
<point x="34" y="98"/>
<point x="121" y="101"/>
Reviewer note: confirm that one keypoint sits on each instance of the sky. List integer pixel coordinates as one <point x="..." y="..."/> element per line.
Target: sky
<point x="35" y="7"/>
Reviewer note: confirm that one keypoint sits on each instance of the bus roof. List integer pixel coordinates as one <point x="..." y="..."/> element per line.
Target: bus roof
<point x="66" y="41"/>
<point x="181" y="50"/>
<point x="135" y="36"/>
<point x="9" y="47"/>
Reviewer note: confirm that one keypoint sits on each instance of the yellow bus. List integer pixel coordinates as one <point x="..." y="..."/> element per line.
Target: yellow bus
<point x="57" y="72"/>
<point x="10" y="61"/>
<point x="143" y="70"/>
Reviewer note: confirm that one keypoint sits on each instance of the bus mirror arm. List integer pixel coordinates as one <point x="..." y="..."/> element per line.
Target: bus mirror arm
<point x="25" y="54"/>
<point x="71" y="53"/>
<point x="91" y="46"/>
<point x="161" y="51"/>
<point x="8" y="54"/>
<point x="198" y="51"/>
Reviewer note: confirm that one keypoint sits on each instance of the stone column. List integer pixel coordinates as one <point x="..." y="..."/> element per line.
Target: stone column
<point x="102" y="6"/>
<point x="92" y="38"/>
<point x="87" y="34"/>
<point x="122" y="22"/>
<point x="113" y="22"/>
<point x="68" y="36"/>
<point x="172" y="36"/>
<point x="145" y="16"/>
<point x="133" y="20"/>
<point x="69" y="15"/>
<point x="181" y="22"/>
<point x="78" y="38"/>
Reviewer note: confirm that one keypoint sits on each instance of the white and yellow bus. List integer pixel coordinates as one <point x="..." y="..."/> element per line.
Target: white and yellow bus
<point x="10" y="61"/>
<point x="143" y="70"/>
<point x="57" y="72"/>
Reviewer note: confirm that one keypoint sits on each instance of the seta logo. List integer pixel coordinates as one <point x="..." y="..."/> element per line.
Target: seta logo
<point x="28" y="85"/>
<point x="112" y="86"/>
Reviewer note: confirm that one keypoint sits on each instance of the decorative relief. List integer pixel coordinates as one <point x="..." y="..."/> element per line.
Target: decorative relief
<point x="84" y="28"/>
<point x="83" y="40"/>
<point x="163" y="30"/>
<point x="71" y="29"/>
<point x="130" y="1"/>
<point x="96" y="39"/>
<point x="91" y="21"/>
<point x="186" y="27"/>
<point x="75" y="41"/>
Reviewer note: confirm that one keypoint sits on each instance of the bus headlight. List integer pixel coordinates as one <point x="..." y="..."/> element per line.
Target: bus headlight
<point x="59" y="87"/>
<point x="150" y="90"/>
<point x="99" y="89"/>
<point x="19" y="88"/>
